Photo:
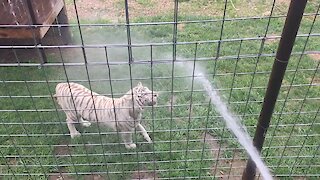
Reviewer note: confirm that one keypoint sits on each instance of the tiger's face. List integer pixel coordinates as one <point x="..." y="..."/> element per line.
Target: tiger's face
<point x="145" y="95"/>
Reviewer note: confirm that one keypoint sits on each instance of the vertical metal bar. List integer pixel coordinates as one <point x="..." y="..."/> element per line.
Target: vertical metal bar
<point x="90" y="87"/>
<point x="89" y="82"/>
<point x="288" y="37"/>
<point x="190" y="109"/>
<point x="11" y="138"/>
<point x="37" y="112"/>
<point x="23" y="127"/>
<point x="59" y="119"/>
<point x="174" y="57"/>
<point x="213" y="76"/>
<point x="114" y="109"/>
<point x="221" y="34"/>
<point x="229" y="99"/>
<point x="130" y="74"/>
<point x="75" y="109"/>
<point x="128" y="32"/>
<point x="258" y="58"/>
<point x="290" y="87"/>
<point x="235" y="72"/>
<point x="152" y="111"/>
<point x="204" y="138"/>
<point x="55" y="106"/>
<point x="306" y="94"/>
<point x="37" y="40"/>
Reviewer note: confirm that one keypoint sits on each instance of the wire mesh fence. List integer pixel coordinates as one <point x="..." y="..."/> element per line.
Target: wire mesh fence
<point x="115" y="45"/>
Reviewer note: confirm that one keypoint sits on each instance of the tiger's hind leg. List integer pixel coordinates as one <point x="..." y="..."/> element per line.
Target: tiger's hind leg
<point x="127" y="139"/>
<point x="72" y="129"/>
<point x="144" y="133"/>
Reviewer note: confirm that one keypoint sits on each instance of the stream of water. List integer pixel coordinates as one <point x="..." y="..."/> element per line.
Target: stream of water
<point x="232" y="122"/>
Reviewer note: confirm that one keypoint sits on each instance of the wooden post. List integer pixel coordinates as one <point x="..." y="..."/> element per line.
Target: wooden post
<point x="62" y="18"/>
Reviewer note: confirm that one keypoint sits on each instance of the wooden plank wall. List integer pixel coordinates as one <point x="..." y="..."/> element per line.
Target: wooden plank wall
<point x="16" y="12"/>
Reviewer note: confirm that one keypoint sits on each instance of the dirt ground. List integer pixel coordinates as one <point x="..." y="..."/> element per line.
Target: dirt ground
<point x="141" y="175"/>
<point x="235" y="166"/>
<point x="315" y="56"/>
<point x="63" y="149"/>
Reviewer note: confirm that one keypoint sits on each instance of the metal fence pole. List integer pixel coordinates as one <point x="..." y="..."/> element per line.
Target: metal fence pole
<point x="288" y="37"/>
<point x="36" y="35"/>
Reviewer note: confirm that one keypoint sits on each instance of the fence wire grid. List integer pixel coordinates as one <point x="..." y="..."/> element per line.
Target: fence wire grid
<point x="116" y="44"/>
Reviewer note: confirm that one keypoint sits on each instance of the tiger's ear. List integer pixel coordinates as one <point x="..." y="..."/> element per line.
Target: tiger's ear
<point x="139" y="84"/>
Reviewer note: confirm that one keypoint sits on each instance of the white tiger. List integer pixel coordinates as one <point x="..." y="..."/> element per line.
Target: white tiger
<point x="122" y="114"/>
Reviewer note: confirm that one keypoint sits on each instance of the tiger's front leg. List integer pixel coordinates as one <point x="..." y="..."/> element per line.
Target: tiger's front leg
<point x="144" y="133"/>
<point x="72" y="129"/>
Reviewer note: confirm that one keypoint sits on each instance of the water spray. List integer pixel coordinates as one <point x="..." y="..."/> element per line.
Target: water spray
<point x="232" y="122"/>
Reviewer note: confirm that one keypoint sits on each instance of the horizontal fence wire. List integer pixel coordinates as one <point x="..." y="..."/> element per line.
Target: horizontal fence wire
<point x="190" y="140"/>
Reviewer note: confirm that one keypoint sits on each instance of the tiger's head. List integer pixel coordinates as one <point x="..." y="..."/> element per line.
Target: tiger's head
<point x="144" y="96"/>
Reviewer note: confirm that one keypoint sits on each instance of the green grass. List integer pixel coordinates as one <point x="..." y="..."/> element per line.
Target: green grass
<point x="115" y="158"/>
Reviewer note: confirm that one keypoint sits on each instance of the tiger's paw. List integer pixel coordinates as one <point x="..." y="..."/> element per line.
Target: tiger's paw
<point x="75" y="134"/>
<point x="131" y="146"/>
